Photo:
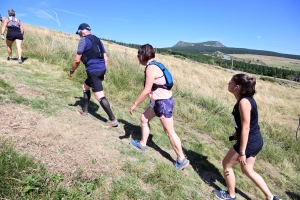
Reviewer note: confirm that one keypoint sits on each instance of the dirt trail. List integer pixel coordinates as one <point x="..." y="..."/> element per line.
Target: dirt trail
<point x="66" y="143"/>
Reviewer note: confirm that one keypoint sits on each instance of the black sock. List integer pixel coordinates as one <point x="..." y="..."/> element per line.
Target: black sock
<point x="106" y="107"/>
<point x="86" y="100"/>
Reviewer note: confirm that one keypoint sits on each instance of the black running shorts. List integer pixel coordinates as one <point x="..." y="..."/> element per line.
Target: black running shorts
<point x="14" y="35"/>
<point x="94" y="80"/>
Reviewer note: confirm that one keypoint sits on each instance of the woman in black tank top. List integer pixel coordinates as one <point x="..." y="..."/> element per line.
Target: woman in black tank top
<point x="247" y="135"/>
<point x="15" y="32"/>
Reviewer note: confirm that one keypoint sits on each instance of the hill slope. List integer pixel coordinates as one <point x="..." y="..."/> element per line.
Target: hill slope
<point x="208" y="43"/>
<point x="38" y="103"/>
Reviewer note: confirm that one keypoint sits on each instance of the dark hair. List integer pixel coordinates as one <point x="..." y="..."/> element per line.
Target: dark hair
<point x="247" y="84"/>
<point x="146" y="52"/>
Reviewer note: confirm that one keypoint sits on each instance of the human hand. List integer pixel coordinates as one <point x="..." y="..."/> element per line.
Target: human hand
<point x="2" y="36"/>
<point x="132" y="108"/>
<point x="70" y="73"/>
<point x="242" y="159"/>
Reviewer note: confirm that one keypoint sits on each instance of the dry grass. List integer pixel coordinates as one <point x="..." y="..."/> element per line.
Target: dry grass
<point x="277" y="104"/>
<point x="270" y="60"/>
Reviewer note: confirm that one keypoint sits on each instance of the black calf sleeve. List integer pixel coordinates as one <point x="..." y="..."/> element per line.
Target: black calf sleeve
<point x="86" y="100"/>
<point x="106" y="107"/>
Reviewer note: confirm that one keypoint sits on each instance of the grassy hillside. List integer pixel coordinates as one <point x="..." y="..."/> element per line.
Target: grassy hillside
<point x="278" y="62"/>
<point x="47" y="151"/>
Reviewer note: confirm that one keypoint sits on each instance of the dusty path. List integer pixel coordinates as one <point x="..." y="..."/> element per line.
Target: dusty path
<point x="66" y="143"/>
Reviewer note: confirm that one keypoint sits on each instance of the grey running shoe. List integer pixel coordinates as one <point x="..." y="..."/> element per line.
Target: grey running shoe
<point x="9" y="58"/>
<point x="113" y="123"/>
<point x="20" y="61"/>
<point x="221" y="194"/>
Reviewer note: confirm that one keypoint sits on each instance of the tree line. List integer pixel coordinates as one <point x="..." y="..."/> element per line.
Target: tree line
<point x="135" y="46"/>
<point x="238" y="65"/>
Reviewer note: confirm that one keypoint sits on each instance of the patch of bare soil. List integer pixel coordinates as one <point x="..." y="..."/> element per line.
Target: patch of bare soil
<point x="67" y="144"/>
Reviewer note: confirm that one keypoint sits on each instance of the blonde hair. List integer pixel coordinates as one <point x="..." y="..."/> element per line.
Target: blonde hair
<point x="11" y="12"/>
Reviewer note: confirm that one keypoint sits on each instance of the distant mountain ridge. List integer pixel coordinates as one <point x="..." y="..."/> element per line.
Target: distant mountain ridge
<point x="213" y="46"/>
<point x="207" y="44"/>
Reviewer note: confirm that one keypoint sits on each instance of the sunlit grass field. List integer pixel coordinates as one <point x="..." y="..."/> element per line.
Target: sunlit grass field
<point x="202" y="120"/>
<point x="272" y="61"/>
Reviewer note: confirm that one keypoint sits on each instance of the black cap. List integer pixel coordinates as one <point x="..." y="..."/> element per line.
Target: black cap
<point x="83" y="26"/>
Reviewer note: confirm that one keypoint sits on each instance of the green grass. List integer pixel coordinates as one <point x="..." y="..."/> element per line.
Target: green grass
<point x="22" y="178"/>
<point x="144" y="176"/>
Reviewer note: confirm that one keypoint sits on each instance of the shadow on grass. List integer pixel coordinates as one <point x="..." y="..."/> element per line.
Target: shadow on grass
<point x="292" y="195"/>
<point x="207" y="171"/>
<point x="131" y="130"/>
<point x="135" y="133"/>
<point x="93" y="108"/>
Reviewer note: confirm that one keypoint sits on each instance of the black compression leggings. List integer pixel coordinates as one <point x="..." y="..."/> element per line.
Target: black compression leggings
<point x="86" y="100"/>
<point x="106" y="107"/>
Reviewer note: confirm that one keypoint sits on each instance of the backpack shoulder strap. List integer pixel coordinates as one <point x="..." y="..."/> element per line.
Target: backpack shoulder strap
<point x="161" y="66"/>
<point x="167" y="74"/>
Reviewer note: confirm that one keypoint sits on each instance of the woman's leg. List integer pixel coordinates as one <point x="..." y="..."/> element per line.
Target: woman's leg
<point x="255" y="177"/>
<point x="228" y="162"/>
<point x="9" y="50"/>
<point x="145" y="119"/>
<point x="19" y="47"/>
<point x="168" y="126"/>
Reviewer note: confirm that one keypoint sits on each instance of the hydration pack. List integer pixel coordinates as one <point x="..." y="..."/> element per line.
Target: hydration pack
<point x="167" y="74"/>
<point x="96" y="51"/>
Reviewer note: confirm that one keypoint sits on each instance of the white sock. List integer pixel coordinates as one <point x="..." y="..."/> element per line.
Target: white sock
<point x="272" y="197"/>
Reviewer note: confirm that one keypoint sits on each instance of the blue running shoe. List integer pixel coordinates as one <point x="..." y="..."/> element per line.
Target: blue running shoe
<point x="181" y="165"/>
<point x="276" y="198"/>
<point x="221" y="194"/>
<point x="137" y="145"/>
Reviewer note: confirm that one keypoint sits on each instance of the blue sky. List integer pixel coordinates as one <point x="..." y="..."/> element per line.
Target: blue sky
<point x="272" y="25"/>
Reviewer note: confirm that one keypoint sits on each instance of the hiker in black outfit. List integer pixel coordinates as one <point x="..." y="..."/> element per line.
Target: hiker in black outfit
<point x="15" y="32"/>
<point x="248" y="138"/>
<point x="92" y="53"/>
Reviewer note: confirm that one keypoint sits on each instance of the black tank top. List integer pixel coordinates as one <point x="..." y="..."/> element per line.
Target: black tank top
<point x="254" y="127"/>
<point x="13" y="24"/>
